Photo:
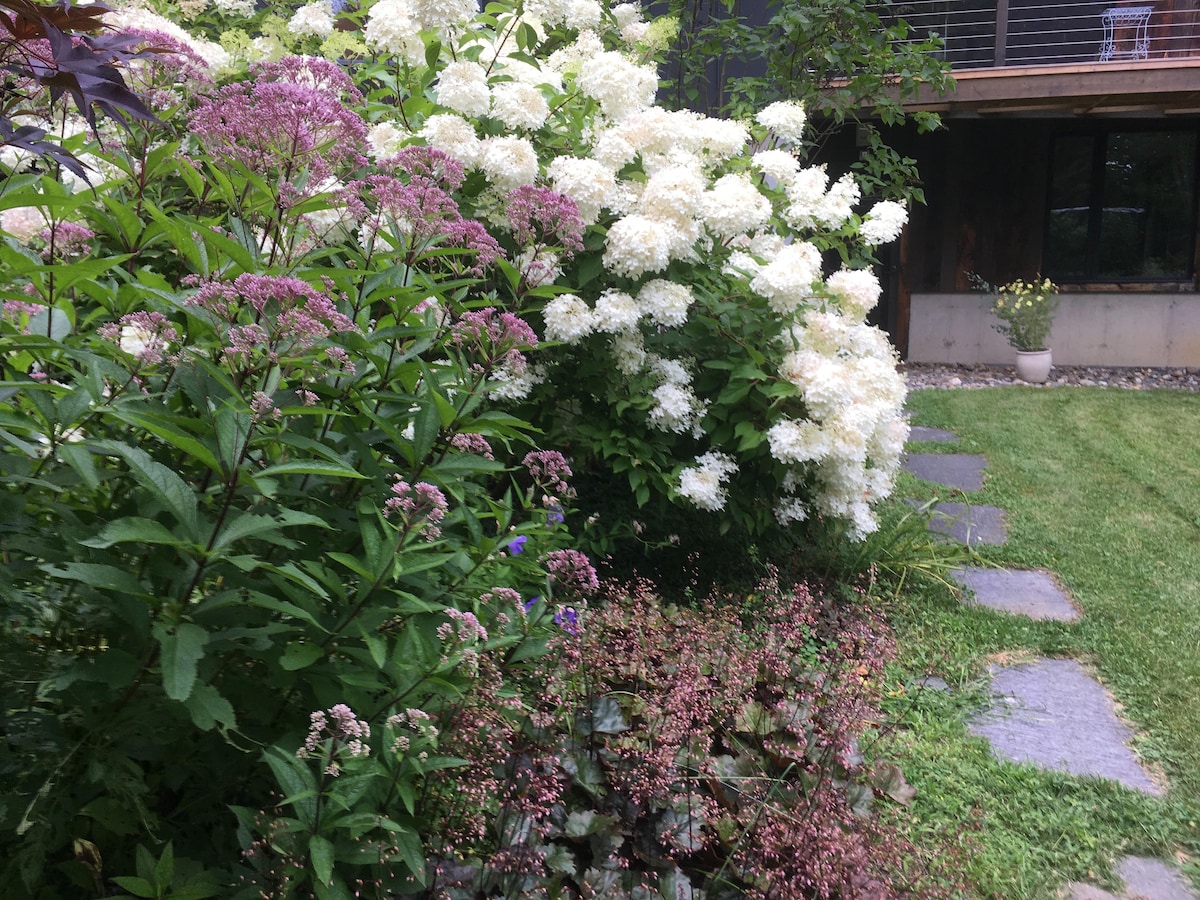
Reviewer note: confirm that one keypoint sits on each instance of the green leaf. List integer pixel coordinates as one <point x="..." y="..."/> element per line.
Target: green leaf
<point x="245" y="525"/>
<point x="300" y="656"/>
<point x="297" y="782"/>
<point x="139" y="887"/>
<point x="181" y="653"/>
<point x="98" y="576"/>
<point x="133" y="529"/>
<point x="79" y="458"/>
<point x="208" y="708"/>
<point x="310" y="467"/>
<point x="168" y="487"/>
<point x="320" y="851"/>
<point x="164" y="871"/>
<point x="161" y="428"/>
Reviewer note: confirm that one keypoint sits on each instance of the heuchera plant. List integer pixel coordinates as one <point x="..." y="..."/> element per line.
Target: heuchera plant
<point x="286" y="409"/>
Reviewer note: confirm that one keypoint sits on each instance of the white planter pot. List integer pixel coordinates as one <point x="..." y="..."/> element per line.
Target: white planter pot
<point x="1033" y="365"/>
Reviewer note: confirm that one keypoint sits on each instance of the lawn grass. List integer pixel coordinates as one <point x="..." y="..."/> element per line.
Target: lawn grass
<point x="1102" y="487"/>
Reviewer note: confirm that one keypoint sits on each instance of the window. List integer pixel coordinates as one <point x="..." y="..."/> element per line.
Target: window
<point x="1122" y="207"/>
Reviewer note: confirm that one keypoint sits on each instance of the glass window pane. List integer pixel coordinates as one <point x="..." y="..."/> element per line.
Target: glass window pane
<point x="1146" y="222"/>
<point x="1070" y="207"/>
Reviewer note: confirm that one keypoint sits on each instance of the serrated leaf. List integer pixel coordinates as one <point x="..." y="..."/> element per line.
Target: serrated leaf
<point x="209" y="709"/>
<point x="166" y="431"/>
<point x="296" y="779"/>
<point x="181" y="654"/>
<point x="133" y="529"/>
<point x="310" y="467"/>
<point x="320" y="852"/>
<point x="245" y="525"/>
<point x="165" y="484"/>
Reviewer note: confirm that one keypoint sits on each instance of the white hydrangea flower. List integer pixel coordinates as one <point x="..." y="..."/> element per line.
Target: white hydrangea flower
<point x="779" y="166"/>
<point x="582" y="14"/>
<point x="519" y="105"/>
<point x="787" y="281"/>
<point x="446" y="18"/>
<point x="672" y="194"/>
<point x="670" y="371"/>
<point x="836" y="207"/>
<point x="734" y="206"/>
<point x="548" y="12"/>
<point x="676" y="408"/>
<point x="884" y="222"/>
<point x="508" y="383"/>
<point x="722" y="139"/>
<point x="615" y="312"/>
<point x="637" y="245"/>
<point x="619" y="85"/>
<point x="508" y="161"/>
<point x="454" y="136"/>
<point x="626" y="13"/>
<point x="463" y="87"/>
<point x="392" y="30"/>
<point x="635" y="32"/>
<point x="586" y="181"/>
<point x="702" y="483"/>
<point x="235" y="7"/>
<point x="385" y="139"/>
<point x="794" y="442"/>
<point x="568" y="319"/>
<point x="629" y="352"/>
<point x="741" y="265"/>
<point x="612" y="150"/>
<point x="789" y="510"/>
<point x="23" y="222"/>
<point x="313" y="20"/>
<point x="538" y="266"/>
<point x="666" y="302"/>
<point x="806" y="195"/>
<point x="856" y="291"/>
<point x="785" y="119"/>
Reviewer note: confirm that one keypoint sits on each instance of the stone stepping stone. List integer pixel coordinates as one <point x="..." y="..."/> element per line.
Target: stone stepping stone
<point x="1053" y="714"/>
<point x="923" y="433"/>
<point x="1144" y="877"/>
<point x="970" y="525"/>
<point x="954" y="470"/>
<point x="1023" y="592"/>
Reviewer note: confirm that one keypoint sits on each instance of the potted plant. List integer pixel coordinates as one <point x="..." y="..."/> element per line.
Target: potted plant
<point x="1026" y="312"/>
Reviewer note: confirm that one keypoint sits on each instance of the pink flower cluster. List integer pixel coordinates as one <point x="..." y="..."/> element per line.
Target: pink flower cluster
<point x="334" y="735"/>
<point x="541" y="217"/>
<point x="571" y="569"/>
<point x="289" y="120"/>
<point x="549" y="469"/>
<point x="422" y="506"/>
<point x="288" y="316"/>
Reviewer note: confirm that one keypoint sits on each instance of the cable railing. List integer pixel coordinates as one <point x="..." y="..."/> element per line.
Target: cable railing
<point x="986" y="33"/>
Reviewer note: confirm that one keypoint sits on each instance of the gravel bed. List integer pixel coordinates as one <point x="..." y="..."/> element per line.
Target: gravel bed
<point x="936" y="375"/>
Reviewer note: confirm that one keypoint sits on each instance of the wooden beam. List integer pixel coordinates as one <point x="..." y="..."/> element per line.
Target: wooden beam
<point x="1001" y="45"/>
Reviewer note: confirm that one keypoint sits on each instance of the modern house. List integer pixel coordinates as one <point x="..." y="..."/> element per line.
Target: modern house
<point x="1071" y="149"/>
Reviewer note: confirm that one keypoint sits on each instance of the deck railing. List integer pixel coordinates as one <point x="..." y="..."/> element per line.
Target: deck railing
<point x="985" y="33"/>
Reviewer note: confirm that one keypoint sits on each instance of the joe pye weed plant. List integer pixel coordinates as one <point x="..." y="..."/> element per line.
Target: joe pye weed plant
<point x="288" y="398"/>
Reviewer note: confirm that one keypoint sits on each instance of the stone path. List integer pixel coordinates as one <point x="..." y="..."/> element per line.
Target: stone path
<point x="1048" y="712"/>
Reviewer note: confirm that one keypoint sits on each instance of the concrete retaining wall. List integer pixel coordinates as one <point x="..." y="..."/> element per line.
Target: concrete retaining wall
<point x="1130" y="329"/>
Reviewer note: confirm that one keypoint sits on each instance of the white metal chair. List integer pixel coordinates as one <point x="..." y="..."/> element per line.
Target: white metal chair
<point x="1137" y="17"/>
